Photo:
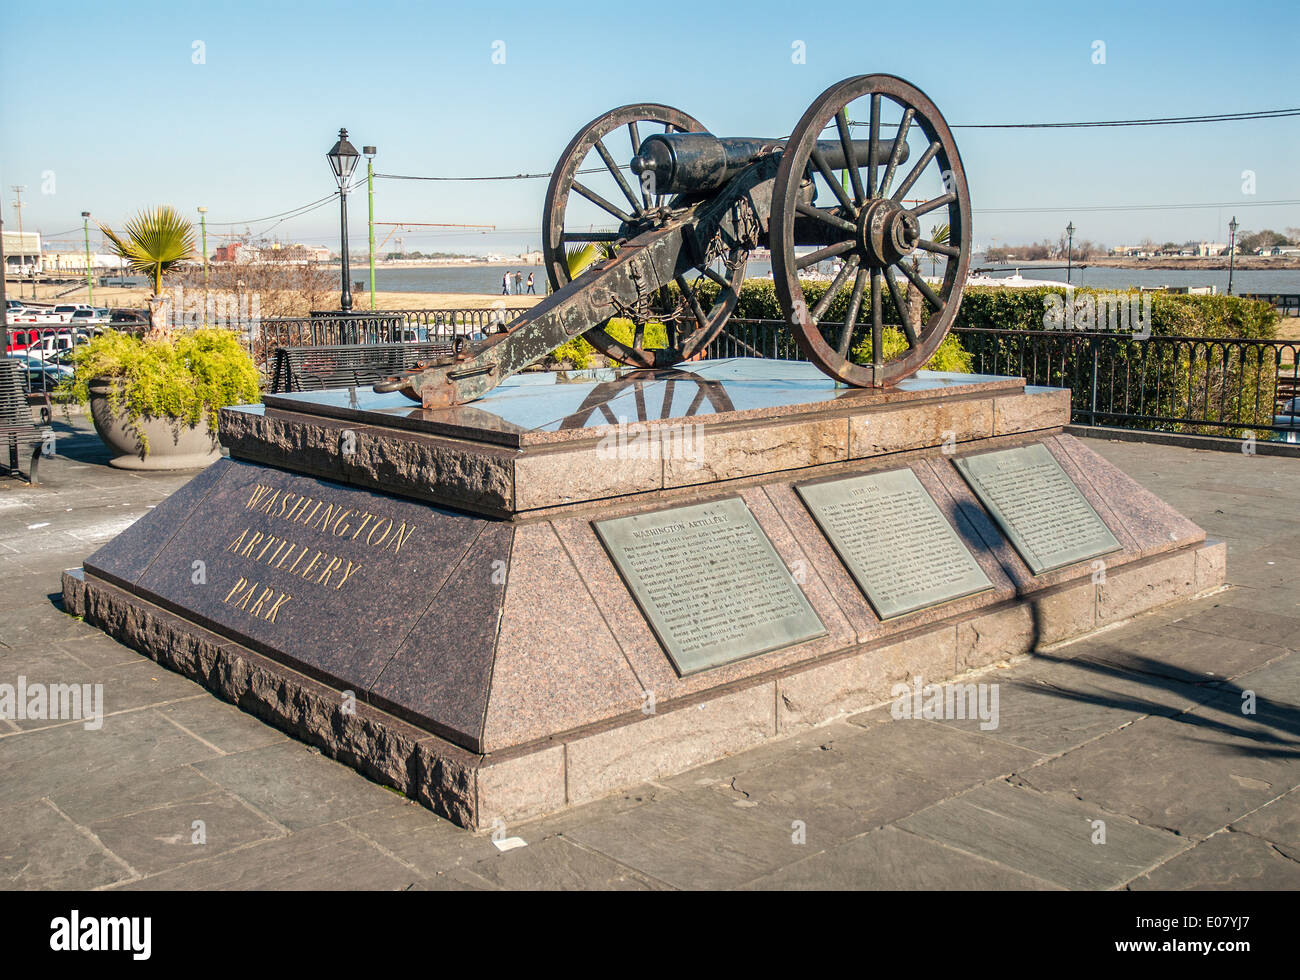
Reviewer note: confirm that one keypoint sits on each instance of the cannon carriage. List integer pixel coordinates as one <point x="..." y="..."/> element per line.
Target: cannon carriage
<point x="682" y="211"/>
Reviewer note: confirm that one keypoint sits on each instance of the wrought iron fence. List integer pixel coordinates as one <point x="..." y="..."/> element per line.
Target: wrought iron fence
<point x="1199" y="385"/>
<point x="379" y="327"/>
<point x="44" y="354"/>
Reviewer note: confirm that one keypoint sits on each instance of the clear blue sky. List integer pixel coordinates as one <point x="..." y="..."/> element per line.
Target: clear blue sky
<point x="108" y="98"/>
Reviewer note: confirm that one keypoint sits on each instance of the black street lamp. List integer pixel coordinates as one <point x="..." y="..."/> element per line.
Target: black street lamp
<point x="343" y="160"/>
<point x="1232" y="249"/>
<point x="1069" y="254"/>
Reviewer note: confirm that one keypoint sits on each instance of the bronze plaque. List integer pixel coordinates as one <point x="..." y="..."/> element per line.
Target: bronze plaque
<point x="894" y="540"/>
<point x="710" y="583"/>
<point x="1037" y="506"/>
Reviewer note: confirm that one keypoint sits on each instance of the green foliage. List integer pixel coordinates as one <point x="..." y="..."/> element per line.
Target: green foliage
<point x="186" y="376"/>
<point x="950" y="356"/>
<point x="1169" y="380"/>
<point x="155" y="240"/>
<point x="1172" y="315"/>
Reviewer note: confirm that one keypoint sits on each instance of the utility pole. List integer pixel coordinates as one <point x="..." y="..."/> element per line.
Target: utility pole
<point x="90" y="281"/>
<point x="203" y="222"/>
<point x="22" y="257"/>
<point x="370" y="151"/>
<point x="4" y="304"/>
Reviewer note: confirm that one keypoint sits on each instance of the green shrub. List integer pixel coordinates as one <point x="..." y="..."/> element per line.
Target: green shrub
<point x="186" y="376"/>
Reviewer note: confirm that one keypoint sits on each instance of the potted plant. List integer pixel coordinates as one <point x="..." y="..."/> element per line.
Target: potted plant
<point x="154" y="399"/>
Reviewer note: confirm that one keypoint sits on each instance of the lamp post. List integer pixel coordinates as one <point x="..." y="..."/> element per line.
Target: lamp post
<point x="1069" y="255"/>
<point x="203" y="223"/>
<point x="90" y="280"/>
<point x="369" y="151"/>
<point x="343" y="160"/>
<point x="1232" y="249"/>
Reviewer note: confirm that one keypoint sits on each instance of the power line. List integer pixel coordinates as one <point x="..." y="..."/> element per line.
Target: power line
<point x="1161" y="121"/>
<point x="1141" y="207"/>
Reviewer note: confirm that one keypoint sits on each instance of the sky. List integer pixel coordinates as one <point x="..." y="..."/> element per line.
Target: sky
<point x="233" y="105"/>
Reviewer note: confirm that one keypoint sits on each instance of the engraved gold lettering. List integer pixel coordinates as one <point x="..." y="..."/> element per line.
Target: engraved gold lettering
<point x="310" y="565"/>
<point x="283" y="598"/>
<point x="403" y="533"/>
<point x="335" y="529"/>
<point x="252" y="543"/>
<point x="324" y="577"/>
<point x="259" y="491"/>
<point x="368" y="518"/>
<point x="269" y="542"/>
<point x="257" y="606"/>
<point x="284" y="502"/>
<point x="234" y="545"/>
<point x="238" y="585"/>
<point x="384" y="537"/>
<point x="347" y="574"/>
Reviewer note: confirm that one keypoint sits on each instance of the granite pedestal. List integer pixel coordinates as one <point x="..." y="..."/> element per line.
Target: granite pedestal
<point x="436" y="599"/>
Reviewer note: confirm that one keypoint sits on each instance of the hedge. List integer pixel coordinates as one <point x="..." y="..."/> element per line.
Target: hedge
<point x="1217" y="383"/>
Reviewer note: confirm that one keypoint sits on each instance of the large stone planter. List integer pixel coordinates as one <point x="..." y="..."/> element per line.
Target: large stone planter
<point x="172" y="445"/>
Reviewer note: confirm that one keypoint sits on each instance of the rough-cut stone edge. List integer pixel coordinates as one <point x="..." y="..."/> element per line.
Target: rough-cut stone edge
<point x="474" y="790"/>
<point x="498" y="481"/>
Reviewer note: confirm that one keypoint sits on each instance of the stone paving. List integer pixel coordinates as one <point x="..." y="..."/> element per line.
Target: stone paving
<point x="1140" y="727"/>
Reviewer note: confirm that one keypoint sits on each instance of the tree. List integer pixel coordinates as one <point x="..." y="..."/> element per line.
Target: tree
<point x="155" y="241"/>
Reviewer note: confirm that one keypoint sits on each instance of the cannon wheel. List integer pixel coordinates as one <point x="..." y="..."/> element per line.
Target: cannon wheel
<point x="639" y="211"/>
<point x="871" y="228"/>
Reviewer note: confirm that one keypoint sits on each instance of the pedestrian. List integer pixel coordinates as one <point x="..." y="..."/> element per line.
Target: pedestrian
<point x="531" y="288"/>
<point x="519" y="283"/>
<point x="505" y="284"/>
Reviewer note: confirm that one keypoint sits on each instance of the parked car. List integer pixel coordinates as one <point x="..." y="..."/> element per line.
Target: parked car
<point x="1288" y="415"/>
<point x="84" y="317"/>
<point x="128" y="317"/>
<point x="66" y="310"/>
<point x="42" y="375"/>
<point x="36" y="314"/>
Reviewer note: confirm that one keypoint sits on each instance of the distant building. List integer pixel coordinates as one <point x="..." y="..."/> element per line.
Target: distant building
<point x="22" y="252"/>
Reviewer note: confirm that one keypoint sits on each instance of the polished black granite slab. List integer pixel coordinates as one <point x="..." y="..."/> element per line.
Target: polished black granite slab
<point x="332" y="580"/>
<point x="546" y="407"/>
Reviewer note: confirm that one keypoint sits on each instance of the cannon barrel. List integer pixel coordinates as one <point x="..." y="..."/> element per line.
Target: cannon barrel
<point x="693" y="163"/>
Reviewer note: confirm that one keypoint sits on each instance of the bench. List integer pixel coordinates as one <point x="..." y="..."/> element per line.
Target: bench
<point x="16" y="428"/>
<point x="347" y="365"/>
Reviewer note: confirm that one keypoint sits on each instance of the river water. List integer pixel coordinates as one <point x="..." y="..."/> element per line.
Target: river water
<point x="487" y="278"/>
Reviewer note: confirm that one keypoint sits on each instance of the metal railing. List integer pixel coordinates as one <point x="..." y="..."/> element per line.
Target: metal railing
<point x="44" y="353"/>
<point x="380" y="327"/>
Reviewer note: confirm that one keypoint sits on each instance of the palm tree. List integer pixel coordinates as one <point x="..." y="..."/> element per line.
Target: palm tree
<point x="579" y="257"/>
<point x="155" y="241"/>
<point x="916" y="305"/>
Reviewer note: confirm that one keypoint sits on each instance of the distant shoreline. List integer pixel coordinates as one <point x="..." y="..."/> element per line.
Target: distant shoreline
<point x="1253" y="263"/>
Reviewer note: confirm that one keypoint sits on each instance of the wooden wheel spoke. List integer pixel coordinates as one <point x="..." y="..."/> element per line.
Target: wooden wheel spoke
<point x="873" y="147"/>
<point x="819" y="161"/>
<point x="826" y="217"/>
<point x="933" y="205"/>
<point x="634" y="133"/>
<point x="900" y="304"/>
<point x="828" y="297"/>
<point x="851" y="316"/>
<point x="877" y="321"/>
<point x="600" y="202"/>
<point x="717" y="276"/>
<point x="850" y="161"/>
<point x="934" y="147"/>
<point x="924" y="287"/>
<point x="926" y="245"/>
<point x="612" y="166"/>
<point x="692" y="300"/>
<point x="829" y="252"/>
<point x="899" y="141"/>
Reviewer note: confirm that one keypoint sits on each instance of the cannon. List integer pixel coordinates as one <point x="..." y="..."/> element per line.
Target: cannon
<point x="687" y="209"/>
